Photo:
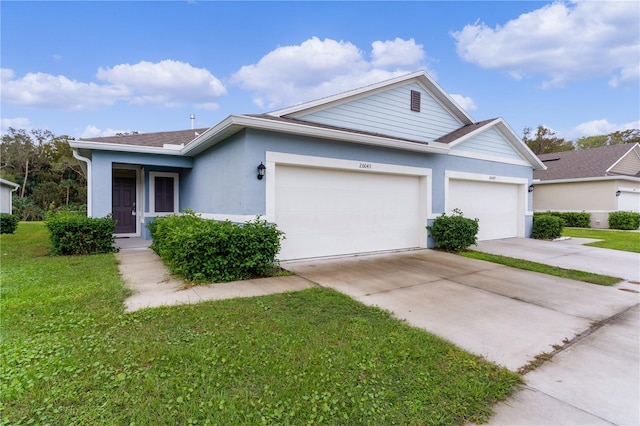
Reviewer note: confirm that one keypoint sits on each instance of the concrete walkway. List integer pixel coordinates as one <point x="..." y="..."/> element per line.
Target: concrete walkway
<point x="153" y="286"/>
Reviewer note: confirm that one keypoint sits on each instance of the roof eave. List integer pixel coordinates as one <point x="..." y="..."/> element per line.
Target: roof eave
<point x="586" y="179"/>
<point x="107" y="146"/>
<point x="235" y="123"/>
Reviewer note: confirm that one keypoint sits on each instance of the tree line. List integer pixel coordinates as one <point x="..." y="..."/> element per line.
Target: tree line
<point x="545" y="141"/>
<point x="52" y="179"/>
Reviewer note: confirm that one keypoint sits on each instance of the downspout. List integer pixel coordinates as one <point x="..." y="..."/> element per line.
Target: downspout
<point x="87" y="168"/>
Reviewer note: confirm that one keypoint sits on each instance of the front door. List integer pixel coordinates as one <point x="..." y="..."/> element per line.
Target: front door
<point x="124" y="204"/>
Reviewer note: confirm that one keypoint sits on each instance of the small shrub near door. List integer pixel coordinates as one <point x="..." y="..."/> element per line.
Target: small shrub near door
<point x="204" y="250"/>
<point x="455" y="232"/>
<point x="74" y="233"/>
<point x="547" y="227"/>
<point x="627" y="221"/>
<point x="571" y="219"/>
<point x="8" y="223"/>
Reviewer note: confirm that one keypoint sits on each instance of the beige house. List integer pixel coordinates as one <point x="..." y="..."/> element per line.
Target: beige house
<point x="597" y="181"/>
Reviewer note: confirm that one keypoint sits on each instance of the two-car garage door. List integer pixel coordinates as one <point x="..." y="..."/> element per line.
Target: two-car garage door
<point x="327" y="212"/>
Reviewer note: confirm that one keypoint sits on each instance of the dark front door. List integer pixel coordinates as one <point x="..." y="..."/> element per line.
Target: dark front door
<point x="124" y="204"/>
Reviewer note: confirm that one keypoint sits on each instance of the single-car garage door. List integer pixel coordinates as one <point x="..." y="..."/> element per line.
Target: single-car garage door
<point x="496" y="204"/>
<point x="327" y="212"/>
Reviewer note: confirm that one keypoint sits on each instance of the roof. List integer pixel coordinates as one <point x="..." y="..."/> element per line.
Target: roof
<point x="584" y="163"/>
<point x="155" y="139"/>
<point x="463" y="131"/>
<point x="9" y="183"/>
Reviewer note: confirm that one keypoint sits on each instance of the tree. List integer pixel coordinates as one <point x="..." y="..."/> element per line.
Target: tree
<point x="545" y="141"/>
<point x="44" y="165"/>
<point x="615" y="138"/>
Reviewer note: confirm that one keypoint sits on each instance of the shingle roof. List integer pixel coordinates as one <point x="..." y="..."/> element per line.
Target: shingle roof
<point x="155" y="139"/>
<point x="584" y="163"/>
<point x="462" y="131"/>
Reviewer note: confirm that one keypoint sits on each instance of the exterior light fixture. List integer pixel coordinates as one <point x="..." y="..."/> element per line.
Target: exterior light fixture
<point x="261" y="170"/>
<point x="531" y="188"/>
<point x="617" y="193"/>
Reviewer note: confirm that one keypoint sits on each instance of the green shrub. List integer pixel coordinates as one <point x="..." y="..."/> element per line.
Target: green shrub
<point x="624" y="220"/>
<point x="73" y="233"/>
<point x="546" y="227"/>
<point x="571" y="219"/>
<point x="204" y="250"/>
<point x="454" y="233"/>
<point x="8" y="223"/>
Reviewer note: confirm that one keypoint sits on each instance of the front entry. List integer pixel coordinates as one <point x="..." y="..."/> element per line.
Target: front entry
<point x="124" y="201"/>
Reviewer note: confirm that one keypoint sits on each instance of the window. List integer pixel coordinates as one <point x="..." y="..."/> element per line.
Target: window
<point x="415" y="101"/>
<point x="163" y="192"/>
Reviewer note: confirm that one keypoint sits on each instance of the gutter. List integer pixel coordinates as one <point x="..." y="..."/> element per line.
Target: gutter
<point x="87" y="168"/>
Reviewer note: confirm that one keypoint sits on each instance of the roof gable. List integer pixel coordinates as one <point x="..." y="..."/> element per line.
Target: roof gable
<point x="589" y="163"/>
<point x="388" y="112"/>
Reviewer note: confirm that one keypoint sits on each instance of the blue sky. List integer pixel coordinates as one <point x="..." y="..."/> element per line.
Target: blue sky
<point x="89" y="69"/>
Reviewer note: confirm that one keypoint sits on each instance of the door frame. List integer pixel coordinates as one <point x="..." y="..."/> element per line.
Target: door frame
<point x="139" y="196"/>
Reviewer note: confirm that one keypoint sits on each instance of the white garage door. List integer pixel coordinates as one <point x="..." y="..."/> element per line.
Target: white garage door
<point x="326" y="212"/>
<point x="629" y="201"/>
<point x="495" y="204"/>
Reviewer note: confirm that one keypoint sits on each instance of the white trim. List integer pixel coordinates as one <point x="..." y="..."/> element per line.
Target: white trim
<point x="9" y="183"/>
<point x="571" y="211"/>
<point x="87" y="161"/>
<point x="452" y="174"/>
<point x="176" y="193"/>
<point x="486" y="157"/>
<point x="424" y="175"/>
<point x="587" y="179"/>
<point x="107" y="146"/>
<point x="235" y="123"/>
<point x="623" y="155"/>
<point x="628" y="189"/>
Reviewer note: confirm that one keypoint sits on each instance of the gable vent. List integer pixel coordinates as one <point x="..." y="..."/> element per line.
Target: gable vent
<point x="415" y="101"/>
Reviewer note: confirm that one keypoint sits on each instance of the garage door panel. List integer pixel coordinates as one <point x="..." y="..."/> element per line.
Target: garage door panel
<point x="327" y="212"/>
<point x="496" y="205"/>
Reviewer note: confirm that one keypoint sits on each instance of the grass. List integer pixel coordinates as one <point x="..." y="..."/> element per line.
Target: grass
<point x="70" y="355"/>
<point x="542" y="268"/>
<point x="611" y="239"/>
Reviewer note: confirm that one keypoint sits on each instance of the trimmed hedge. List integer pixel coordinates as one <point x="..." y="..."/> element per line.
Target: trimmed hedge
<point x="204" y="250"/>
<point x="571" y="219"/>
<point x="73" y="234"/>
<point x="454" y="233"/>
<point x="547" y="226"/>
<point x="8" y="223"/>
<point x="627" y="221"/>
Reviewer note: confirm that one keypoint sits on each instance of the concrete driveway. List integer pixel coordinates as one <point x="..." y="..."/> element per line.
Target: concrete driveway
<point x="509" y="316"/>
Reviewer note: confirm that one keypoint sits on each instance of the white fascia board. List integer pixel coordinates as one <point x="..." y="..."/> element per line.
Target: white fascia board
<point x="235" y="123"/>
<point x="104" y="146"/>
<point x="622" y="157"/>
<point x="9" y="183"/>
<point x="588" y="179"/>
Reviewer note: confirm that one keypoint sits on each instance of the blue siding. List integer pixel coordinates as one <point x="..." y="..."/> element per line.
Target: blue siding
<point x="490" y="142"/>
<point x="389" y="113"/>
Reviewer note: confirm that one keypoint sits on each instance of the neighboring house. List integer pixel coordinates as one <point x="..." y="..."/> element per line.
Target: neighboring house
<point x="362" y="171"/>
<point x="6" y="188"/>
<point x="597" y="181"/>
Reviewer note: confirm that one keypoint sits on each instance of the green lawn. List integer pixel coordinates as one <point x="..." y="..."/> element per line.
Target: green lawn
<point x="542" y="268"/>
<point x="617" y="240"/>
<point x="70" y="355"/>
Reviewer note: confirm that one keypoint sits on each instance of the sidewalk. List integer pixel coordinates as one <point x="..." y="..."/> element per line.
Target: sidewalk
<point x="153" y="286"/>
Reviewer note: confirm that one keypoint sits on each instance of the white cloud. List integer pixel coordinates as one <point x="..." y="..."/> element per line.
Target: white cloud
<point x="16" y="123"/>
<point x="597" y="127"/>
<point x="316" y="68"/>
<point x="396" y="52"/>
<point x="168" y="83"/>
<point x="560" y="42"/>
<point x="465" y="102"/>
<point x="93" y="132"/>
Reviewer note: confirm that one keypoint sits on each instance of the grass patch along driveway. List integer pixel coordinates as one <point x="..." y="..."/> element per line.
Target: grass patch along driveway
<point x="71" y="355"/>
<point x="611" y="239"/>
<point x="542" y="268"/>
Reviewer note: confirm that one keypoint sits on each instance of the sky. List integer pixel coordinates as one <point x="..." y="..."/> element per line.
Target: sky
<point x="90" y="69"/>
